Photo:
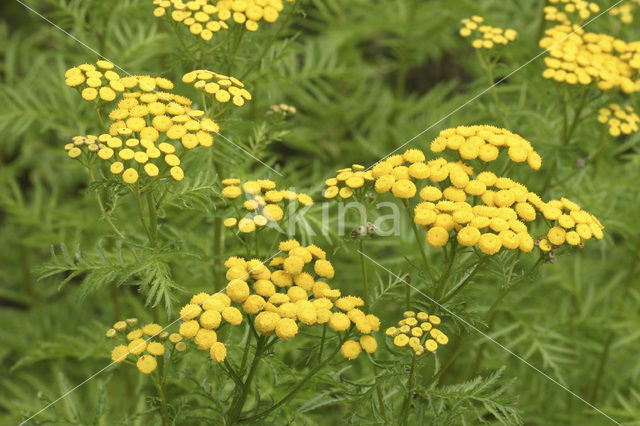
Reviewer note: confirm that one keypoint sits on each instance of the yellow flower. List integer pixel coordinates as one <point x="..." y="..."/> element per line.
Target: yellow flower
<point x="119" y="353"/>
<point x="401" y="340"/>
<point x="146" y="364"/>
<point x="152" y="329"/>
<point x="437" y="237"/>
<point x="189" y="312"/>
<point x="286" y="328"/>
<point x="205" y="338"/>
<point x="368" y="343"/>
<point x="218" y="352"/>
<point x="293" y="265"/>
<point x="130" y="176"/>
<point x="232" y="315"/>
<point x="351" y="349"/>
<point x="306" y="313"/>
<point x="489" y="243"/>
<point x="210" y="319"/>
<point x="137" y="346"/>
<point x="155" y="348"/>
<point x="189" y="329"/>
<point x="403" y="188"/>
<point x="253" y="304"/>
<point x="238" y="291"/>
<point x="339" y="321"/>
<point x="265" y="322"/>
<point x="323" y="268"/>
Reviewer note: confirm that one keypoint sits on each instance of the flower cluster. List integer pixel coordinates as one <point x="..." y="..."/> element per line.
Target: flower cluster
<point x="347" y="181"/>
<point x="278" y="298"/>
<point x="416" y="331"/>
<point x="485" y="36"/>
<point x="572" y="225"/>
<point x="399" y="173"/>
<point x="495" y="223"/>
<point x="204" y="17"/>
<point x="142" y="344"/>
<point x="485" y="142"/>
<point x="568" y="11"/>
<point x="620" y="120"/>
<point x="199" y="16"/>
<point x="221" y="87"/>
<point x="150" y="130"/>
<point x="75" y="147"/>
<point x="106" y="84"/>
<point x="263" y="202"/>
<point x="625" y="11"/>
<point x="282" y="110"/>
<point x="202" y="316"/>
<point x="576" y="56"/>
<point x="482" y="208"/>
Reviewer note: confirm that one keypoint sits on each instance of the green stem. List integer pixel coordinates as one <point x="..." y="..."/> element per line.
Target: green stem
<point x="103" y="128"/>
<point x="419" y="241"/>
<point x="365" y="281"/>
<point x="383" y="411"/>
<point x="594" y="158"/>
<point x="176" y="31"/>
<point x="407" y="295"/>
<point x="239" y="400"/>
<point x="460" y="345"/>
<point x="450" y="295"/>
<point x="576" y="117"/>
<point x="161" y="393"/>
<point x="442" y="283"/>
<point x="105" y="215"/>
<point x="487" y="320"/>
<point x="411" y="383"/>
<point x="153" y="219"/>
<point x="302" y="382"/>
<point x="245" y="354"/>
<point x="136" y="192"/>
<point x="488" y="66"/>
<point x="491" y="313"/>
<point x="218" y="241"/>
<point x="232" y="373"/>
<point x="324" y="336"/>
<point x="271" y="41"/>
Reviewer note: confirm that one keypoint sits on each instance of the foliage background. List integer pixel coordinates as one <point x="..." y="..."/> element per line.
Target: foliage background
<point x="365" y="76"/>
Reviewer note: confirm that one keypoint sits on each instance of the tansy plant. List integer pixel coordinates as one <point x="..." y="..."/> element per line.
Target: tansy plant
<point x="268" y="304"/>
<point x="261" y="304"/>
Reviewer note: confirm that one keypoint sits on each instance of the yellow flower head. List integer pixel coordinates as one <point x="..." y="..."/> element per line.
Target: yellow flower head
<point x="263" y="203"/>
<point x="219" y="87"/>
<point x="146" y="364"/>
<point x="218" y="352"/>
<point x="204" y="19"/>
<point x="421" y="336"/>
<point x="620" y="121"/>
<point x="579" y="57"/>
<point x="484" y="36"/>
<point x="351" y="349"/>
<point x="150" y="127"/>
<point x="570" y="12"/>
